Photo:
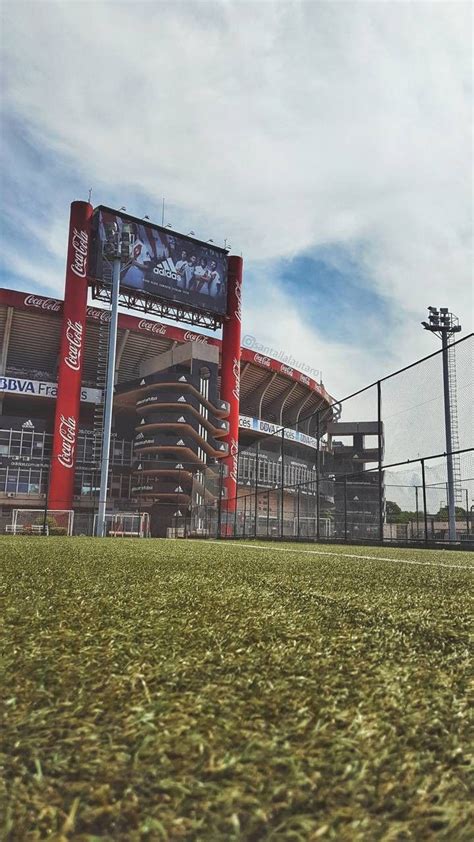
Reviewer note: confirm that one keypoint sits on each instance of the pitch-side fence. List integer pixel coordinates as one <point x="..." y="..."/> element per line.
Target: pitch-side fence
<point x="380" y="464"/>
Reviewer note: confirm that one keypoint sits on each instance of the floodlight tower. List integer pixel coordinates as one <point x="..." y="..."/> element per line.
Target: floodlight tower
<point x="118" y="247"/>
<point x="445" y="324"/>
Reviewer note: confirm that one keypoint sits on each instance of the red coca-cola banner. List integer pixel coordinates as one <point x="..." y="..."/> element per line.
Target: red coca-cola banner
<point x="230" y="373"/>
<point x="126" y="322"/>
<point x="66" y="424"/>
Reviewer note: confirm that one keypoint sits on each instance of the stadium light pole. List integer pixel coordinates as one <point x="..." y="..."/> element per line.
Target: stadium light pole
<point x="118" y="246"/>
<point x="444" y="324"/>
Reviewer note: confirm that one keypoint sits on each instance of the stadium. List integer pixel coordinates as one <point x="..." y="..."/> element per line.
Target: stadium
<point x="272" y="396"/>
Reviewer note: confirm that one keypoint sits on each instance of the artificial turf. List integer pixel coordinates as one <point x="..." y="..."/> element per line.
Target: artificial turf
<point x="184" y="690"/>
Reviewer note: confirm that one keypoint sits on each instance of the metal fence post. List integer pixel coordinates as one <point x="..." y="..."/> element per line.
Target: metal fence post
<point x="380" y="457"/>
<point x="256" y="487"/>
<point x="425" y="513"/>
<point x="417" y="513"/>
<point x="318" y="534"/>
<point x="219" y="501"/>
<point x="268" y="511"/>
<point x="235" y="515"/>
<point x="467" y="513"/>
<point x="282" y="483"/>
<point x="245" y="516"/>
<point x="345" y="508"/>
<point x="46" y="496"/>
<point x="298" y="511"/>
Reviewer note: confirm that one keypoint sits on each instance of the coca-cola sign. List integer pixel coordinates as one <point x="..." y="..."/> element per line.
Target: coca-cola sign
<point x="74" y="333"/>
<point x="238" y="295"/>
<point x="152" y="327"/>
<point x="98" y="315"/>
<point x="194" y="337"/>
<point x="236" y="378"/>
<point x="43" y="303"/>
<point x="234" y="456"/>
<point x="266" y="361"/>
<point x="67" y="434"/>
<point x="79" y="242"/>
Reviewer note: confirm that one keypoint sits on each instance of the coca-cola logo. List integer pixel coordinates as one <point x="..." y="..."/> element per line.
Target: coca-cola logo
<point x="74" y="332"/>
<point x="234" y="455"/>
<point x="285" y="369"/>
<point x="152" y="327"/>
<point x="98" y="315"/>
<point x="236" y="376"/>
<point x="67" y="434"/>
<point x="238" y="296"/>
<point x="43" y="303"/>
<point x="266" y="361"/>
<point x="79" y="243"/>
<point x="195" y="337"/>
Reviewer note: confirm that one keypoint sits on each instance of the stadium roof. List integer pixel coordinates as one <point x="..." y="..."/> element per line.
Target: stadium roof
<point x="270" y="389"/>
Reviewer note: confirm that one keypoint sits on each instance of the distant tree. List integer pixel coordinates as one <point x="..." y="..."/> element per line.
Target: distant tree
<point x="443" y="513"/>
<point x="395" y="514"/>
<point x="393" y="510"/>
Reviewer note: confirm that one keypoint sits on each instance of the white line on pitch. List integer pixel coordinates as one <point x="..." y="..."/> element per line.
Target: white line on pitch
<point x="344" y="555"/>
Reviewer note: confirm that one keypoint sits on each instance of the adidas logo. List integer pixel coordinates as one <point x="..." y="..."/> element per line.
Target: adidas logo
<point x="27" y="424"/>
<point x="166" y="269"/>
<point x="182" y="379"/>
<point x="180" y="443"/>
<point x="179" y="489"/>
<point x="139" y="436"/>
<point x="181" y="420"/>
<point x="179" y="465"/>
<point x="182" y="399"/>
<point x="142" y="382"/>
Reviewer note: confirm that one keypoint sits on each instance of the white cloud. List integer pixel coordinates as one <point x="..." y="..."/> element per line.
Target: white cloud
<point x="282" y="126"/>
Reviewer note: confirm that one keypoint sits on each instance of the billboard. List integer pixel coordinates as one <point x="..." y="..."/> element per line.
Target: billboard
<point x="163" y="264"/>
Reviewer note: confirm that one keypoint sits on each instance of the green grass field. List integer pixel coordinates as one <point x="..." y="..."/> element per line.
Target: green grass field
<point x="184" y="690"/>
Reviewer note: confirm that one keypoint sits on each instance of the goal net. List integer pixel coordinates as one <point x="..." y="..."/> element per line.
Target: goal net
<point x="125" y="524"/>
<point x="41" y="522"/>
<point x="307" y="527"/>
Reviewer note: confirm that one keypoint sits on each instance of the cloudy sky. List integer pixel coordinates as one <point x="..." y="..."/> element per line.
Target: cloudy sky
<point x="328" y="142"/>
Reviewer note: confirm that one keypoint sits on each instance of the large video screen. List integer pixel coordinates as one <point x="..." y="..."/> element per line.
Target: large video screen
<point x="163" y="264"/>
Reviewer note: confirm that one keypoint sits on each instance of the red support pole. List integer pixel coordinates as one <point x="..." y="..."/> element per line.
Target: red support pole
<point x="230" y="374"/>
<point x="66" y="424"/>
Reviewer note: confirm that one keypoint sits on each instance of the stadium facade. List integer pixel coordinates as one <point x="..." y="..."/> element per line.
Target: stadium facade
<point x="157" y="366"/>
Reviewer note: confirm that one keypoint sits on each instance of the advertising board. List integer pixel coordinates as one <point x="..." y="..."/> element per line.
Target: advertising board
<point x="163" y="265"/>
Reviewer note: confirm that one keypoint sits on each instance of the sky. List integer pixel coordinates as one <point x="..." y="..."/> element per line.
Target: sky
<point x="328" y="142"/>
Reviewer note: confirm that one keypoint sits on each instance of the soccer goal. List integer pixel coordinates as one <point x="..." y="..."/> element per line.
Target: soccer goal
<point x="39" y="522"/>
<point x="125" y="524"/>
<point x="308" y="527"/>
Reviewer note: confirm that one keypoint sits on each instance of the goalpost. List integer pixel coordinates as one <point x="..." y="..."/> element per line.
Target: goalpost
<point x="308" y="527"/>
<point x="125" y="524"/>
<point x="41" y="522"/>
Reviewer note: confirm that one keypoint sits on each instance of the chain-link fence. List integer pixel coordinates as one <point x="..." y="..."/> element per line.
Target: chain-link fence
<point x="379" y="467"/>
